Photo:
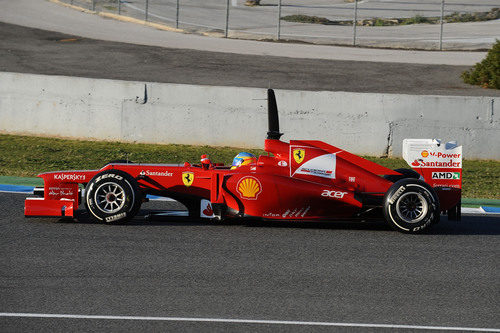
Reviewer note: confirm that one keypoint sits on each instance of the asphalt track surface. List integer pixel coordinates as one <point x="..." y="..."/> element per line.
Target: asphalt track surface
<point x="29" y="50"/>
<point x="328" y="272"/>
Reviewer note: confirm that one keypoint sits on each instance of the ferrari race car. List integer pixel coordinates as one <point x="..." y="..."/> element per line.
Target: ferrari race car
<point x="299" y="180"/>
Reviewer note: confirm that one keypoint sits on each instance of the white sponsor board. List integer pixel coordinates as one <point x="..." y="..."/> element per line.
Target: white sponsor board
<point x="431" y="153"/>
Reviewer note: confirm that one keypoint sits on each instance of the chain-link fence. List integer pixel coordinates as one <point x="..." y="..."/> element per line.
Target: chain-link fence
<point x="426" y="24"/>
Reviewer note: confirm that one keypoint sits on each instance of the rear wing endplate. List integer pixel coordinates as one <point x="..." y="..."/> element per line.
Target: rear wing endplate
<point x="439" y="163"/>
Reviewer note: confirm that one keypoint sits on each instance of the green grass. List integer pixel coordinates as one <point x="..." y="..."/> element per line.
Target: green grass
<point x="110" y="8"/>
<point x="26" y="156"/>
<point x="493" y="14"/>
<point x="306" y="19"/>
<point x="417" y="19"/>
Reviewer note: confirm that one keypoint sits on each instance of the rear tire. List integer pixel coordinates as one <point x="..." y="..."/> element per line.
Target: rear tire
<point x="411" y="206"/>
<point x="112" y="196"/>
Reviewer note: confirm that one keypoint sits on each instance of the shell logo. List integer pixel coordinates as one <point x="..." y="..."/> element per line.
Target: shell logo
<point x="249" y="188"/>
<point x="425" y="153"/>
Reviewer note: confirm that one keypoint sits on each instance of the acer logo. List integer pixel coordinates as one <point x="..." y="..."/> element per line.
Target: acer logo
<point x="333" y="194"/>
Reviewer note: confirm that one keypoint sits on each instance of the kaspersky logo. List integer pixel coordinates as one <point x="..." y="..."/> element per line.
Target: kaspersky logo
<point x="446" y="175"/>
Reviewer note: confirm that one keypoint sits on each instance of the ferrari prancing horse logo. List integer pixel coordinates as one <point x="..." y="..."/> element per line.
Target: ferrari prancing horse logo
<point x="298" y="155"/>
<point x="187" y="178"/>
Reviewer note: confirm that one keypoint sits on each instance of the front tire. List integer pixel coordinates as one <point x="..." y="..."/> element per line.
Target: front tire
<point x="411" y="205"/>
<point x="112" y="196"/>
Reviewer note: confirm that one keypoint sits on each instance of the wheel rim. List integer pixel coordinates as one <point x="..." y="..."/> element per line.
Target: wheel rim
<point x="109" y="197"/>
<point x="412" y="207"/>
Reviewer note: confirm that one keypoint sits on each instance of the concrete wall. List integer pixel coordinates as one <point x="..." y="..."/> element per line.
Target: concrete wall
<point x="362" y="123"/>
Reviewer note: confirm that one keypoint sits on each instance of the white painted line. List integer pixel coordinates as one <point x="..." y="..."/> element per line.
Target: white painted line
<point x="247" y="321"/>
<point x="17" y="192"/>
<point x="469" y="210"/>
<point x="152" y="198"/>
<point x="173" y="213"/>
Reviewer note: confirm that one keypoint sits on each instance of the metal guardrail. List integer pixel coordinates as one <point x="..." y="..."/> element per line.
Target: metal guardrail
<point x="232" y="18"/>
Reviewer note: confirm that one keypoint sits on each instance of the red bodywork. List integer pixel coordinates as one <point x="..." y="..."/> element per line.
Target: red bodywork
<point x="300" y="180"/>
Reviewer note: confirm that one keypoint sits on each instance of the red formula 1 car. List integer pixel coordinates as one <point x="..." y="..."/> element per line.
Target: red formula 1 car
<point x="299" y="180"/>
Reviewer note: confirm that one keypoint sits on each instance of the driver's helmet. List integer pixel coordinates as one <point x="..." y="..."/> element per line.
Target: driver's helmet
<point x="243" y="158"/>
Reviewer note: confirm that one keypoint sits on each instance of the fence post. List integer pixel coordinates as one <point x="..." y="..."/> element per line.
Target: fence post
<point x="177" y="15"/>
<point x="354" y="22"/>
<point x="146" y="11"/>
<point x="278" y="30"/>
<point x="227" y="19"/>
<point x="441" y="23"/>
<point x="93" y="5"/>
<point x="119" y="7"/>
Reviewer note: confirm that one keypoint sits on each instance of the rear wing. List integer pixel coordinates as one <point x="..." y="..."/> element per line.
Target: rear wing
<point x="439" y="163"/>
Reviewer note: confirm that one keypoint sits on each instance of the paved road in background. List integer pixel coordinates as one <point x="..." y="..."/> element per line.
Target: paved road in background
<point x="49" y="16"/>
<point x="28" y="50"/>
<point x="261" y="21"/>
<point x="337" y="272"/>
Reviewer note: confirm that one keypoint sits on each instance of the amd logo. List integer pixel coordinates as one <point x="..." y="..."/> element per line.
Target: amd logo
<point x="446" y="175"/>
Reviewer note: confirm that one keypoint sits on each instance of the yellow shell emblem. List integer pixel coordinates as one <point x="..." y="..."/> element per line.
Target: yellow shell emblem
<point x="298" y="155"/>
<point x="187" y="178"/>
<point x="249" y="188"/>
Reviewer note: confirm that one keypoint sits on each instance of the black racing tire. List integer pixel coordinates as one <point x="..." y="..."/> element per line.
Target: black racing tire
<point x="411" y="206"/>
<point x="405" y="173"/>
<point x="112" y="196"/>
